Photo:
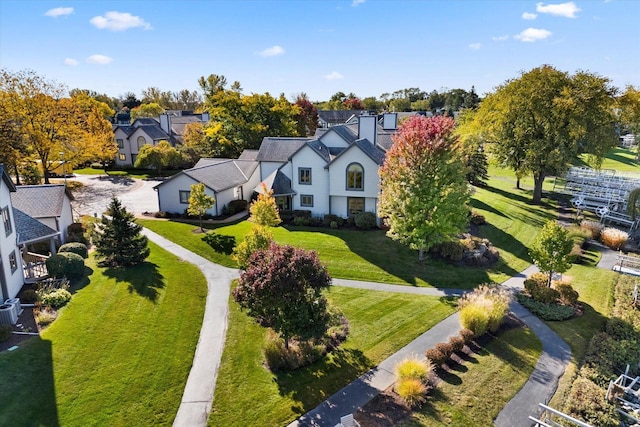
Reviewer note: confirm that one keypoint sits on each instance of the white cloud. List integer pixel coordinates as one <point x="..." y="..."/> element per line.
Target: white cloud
<point x="567" y="10"/>
<point x="70" y="61"/>
<point x="59" y="11"/>
<point x="272" y="51"/>
<point x="529" y="16"/>
<point x="99" y="59"/>
<point x="533" y="34"/>
<point x="500" y="38"/>
<point x="334" y="75"/>
<point x="119" y="21"/>
<point x="355" y="3"/>
<point x="475" y="46"/>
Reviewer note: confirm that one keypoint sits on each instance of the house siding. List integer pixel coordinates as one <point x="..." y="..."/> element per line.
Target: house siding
<point x="319" y="188"/>
<point x="11" y="280"/>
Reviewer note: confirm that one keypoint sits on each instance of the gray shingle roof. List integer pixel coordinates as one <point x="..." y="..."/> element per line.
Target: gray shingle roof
<point x="346" y="132"/>
<point x="248" y="155"/>
<point x="321" y="149"/>
<point x="375" y="153"/>
<point x="145" y="121"/>
<point x="278" y="182"/>
<point x="337" y="116"/>
<point x="207" y="161"/>
<point x="29" y="229"/>
<point x="39" y="201"/>
<point x="155" y="132"/>
<point x="221" y="175"/>
<point x="275" y="149"/>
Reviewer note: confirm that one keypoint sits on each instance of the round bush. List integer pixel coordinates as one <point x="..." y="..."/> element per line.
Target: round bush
<point x="29" y="296"/>
<point x="365" y="220"/>
<point x="457" y="343"/>
<point x="76" y="248"/>
<point x="568" y="295"/>
<point x="474" y="318"/>
<point x="5" y="332"/>
<point x="444" y="348"/>
<point x="57" y="298"/>
<point x="436" y="356"/>
<point x="67" y="264"/>
<point x="411" y="390"/>
<point x="467" y="335"/>
<point x="414" y="368"/>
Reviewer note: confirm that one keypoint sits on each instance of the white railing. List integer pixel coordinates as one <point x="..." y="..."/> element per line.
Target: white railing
<point x="34" y="266"/>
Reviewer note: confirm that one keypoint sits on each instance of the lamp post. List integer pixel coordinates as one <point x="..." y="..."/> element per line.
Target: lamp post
<point x="64" y="172"/>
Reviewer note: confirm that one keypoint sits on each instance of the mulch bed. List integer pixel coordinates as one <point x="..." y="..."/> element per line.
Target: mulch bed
<point x="387" y="409"/>
<point x="26" y="323"/>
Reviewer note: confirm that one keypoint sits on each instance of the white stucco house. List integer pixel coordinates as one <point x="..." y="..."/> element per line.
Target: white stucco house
<point x="334" y="172"/>
<point x="224" y="179"/>
<point x="18" y="231"/>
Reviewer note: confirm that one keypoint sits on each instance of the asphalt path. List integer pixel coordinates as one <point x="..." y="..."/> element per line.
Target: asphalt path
<point x="136" y="195"/>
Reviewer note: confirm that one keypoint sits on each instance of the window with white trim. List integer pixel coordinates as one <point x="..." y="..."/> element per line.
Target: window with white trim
<point x="355" y="177"/>
<point x="13" y="261"/>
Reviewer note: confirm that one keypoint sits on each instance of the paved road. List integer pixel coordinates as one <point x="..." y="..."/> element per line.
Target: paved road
<point x="136" y="195"/>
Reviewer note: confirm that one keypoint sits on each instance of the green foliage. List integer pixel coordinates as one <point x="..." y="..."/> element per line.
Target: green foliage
<point x="56" y="299"/>
<point x="264" y="210"/>
<point x="118" y="240"/>
<point x="236" y="206"/>
<point x="423" y="188"/>
<point x="199" y="201"/>
<point x="566" y="116"/>
<point x="366" y="220"/>
<point x="484" y="308"/>
<point x="282" y="287"/>
<point x="5" y="332"/>
<point x="29" y="296"/>
<point x="333" y="224"/>
<point x="452" y="250"/>
<point x="220" y="243"/>
<point x="551" y="250"/>
<point x="76" y="248"/>
<point x="67" y="264"/>
<point x="158" y="157"/>
<point x="329" y="218"/>
<point x="547" y="311"/>
<point x="412" y="391"/>
<point x="586" y="402"/>
<point x="258" y="238"/>
<point x="477" y="219"/>
<point x="45" y="316"/>
<point x="567" y="295"/>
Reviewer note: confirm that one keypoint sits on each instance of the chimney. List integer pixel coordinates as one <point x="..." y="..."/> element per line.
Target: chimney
<point x="390" y="121"/>
<point x="165" y="123"/>
<point x="367" y="127"/>
<point x="205" y="117"/>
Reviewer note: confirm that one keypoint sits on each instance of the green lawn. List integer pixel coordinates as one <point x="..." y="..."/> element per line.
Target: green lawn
<point x="380" y="324"/>
<point x="619" y="159"/>
<point x="133" y="173"/>
<point x="118" y="355"/>
<point x="371" y="256"/>
<point x="474" y="393"/>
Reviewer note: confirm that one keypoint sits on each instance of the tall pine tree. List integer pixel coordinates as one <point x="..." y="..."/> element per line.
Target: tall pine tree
<point x="118" y="240"/>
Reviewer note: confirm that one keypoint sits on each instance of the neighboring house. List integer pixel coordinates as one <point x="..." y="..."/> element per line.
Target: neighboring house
<point x="329" y="118"/>
<point x="49" y="204"/>
<point x="334" y="172"/>
<point x="145" y="130"/>
<point x="224" y="179"/>
<point x="18" y="231"/>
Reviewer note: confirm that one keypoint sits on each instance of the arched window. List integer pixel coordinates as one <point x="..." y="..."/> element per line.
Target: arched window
<point x="355" y="177"/>
<point x="141" y="142"/>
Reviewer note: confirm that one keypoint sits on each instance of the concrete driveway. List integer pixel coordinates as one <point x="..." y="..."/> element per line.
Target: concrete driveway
<point x="136" y="195"/>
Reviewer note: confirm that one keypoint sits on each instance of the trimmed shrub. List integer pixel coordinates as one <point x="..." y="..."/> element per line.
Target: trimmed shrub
<point x="546" y="311"/>
<point x="220" y="242"/>
<point x="412" y="391"/>
<point x="451" y="250"/>
<point x="621" y="330"/>
<point x="301" y="221"/>
<point x="567" y="295"/>
<point x="76" y="227"/>
<point x="333" y="224"/>
<point x="29" y="296"/>
<point x="594" y="228"/>
<point x="586" y="402"/>
<point x="76" y="248"/>
<point x="236" y="206"/>
<point x="67" y="264"/>
<point x="444" y="348"/>
<point x="467" y="335"/>
<point x="56" y="299"/>
<point x="457" y="343"/>
<point x="5" y="332"/>
<point x="414" y="368"/>
<point x="366" y="220"/>
<point x="330" y="218"/>
<point x="536" y="287"/>
<point x="614" y="238"/>
<point x="436" y="357"/>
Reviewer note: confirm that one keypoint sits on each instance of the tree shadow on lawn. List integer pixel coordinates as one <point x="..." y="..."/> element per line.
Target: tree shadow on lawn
<point x="504" y="242"/>
<point x="478" y="204"/>
<point x="82" y="281"/>
<point x="334" y="371"/>
<point x="28" y="393"/>
<point x="143" y="279"/>
<point x="616" y="156"/>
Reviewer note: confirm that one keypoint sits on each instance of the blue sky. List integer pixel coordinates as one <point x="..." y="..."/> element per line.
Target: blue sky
<point x="368" y="47"/>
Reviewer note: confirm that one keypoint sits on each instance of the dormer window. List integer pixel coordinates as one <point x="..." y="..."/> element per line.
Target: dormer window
<point x="355" y="177"/>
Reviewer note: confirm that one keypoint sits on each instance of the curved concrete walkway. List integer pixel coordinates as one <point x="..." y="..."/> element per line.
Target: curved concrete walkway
<point x="198" y="393"/>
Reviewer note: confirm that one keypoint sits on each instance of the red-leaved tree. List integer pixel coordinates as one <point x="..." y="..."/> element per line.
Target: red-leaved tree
<point x="424" y="191"/>
<point x="282" y="288"/>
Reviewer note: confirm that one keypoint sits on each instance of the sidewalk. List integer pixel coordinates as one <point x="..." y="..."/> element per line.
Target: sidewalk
<point x="198" y="393"/>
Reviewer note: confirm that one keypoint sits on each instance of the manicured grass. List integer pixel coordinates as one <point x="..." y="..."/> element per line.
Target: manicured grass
<point x="474" y="393"/>
<point x="380" y="324"/>
<point x="371" y="256"/>
<point x="619" y="159"/>
<point x="118" y="355"/>
<point x="133" y="173"/>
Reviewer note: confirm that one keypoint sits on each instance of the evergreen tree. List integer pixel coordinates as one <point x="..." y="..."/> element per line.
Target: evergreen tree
<point x="118" y="240"/>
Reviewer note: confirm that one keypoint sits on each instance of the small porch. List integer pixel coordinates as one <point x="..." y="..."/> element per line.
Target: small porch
<point x="34" y="267"/>
<point x="35" y="239"/>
